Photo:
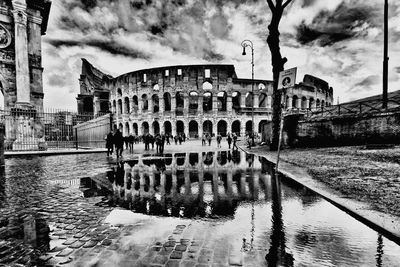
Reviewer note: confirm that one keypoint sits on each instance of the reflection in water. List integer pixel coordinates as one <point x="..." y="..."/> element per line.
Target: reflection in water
<point x="296" y="226"/>
<point x="277" y="255"/>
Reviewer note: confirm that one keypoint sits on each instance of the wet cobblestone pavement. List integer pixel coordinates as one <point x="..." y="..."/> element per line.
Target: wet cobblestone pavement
<point x="62" y="211"/>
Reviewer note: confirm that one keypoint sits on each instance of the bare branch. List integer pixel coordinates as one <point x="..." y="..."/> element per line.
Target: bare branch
<point x="286" y="3"/>
<point x="271" y="5"/>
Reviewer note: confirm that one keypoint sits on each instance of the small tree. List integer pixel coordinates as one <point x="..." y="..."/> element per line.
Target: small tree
<point x="278" y="63"/>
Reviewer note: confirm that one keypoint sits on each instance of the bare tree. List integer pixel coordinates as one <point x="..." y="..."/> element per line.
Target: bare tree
<point x="278" y="63"/>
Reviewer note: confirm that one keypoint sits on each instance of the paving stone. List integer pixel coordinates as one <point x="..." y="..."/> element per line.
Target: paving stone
<point x="106" y="242"/>
<point x="65" y="252"/>
<point x="204" y="259"/>
<point x="235" y="259"/>
<point x="69" y="241"/>
<point x="172" y="263"/>
<point x="169" y="244"/>
<point x="188" y="263"/>
<point x="79" y="235"/>
<point x="77" y="244"/>
<point x="57" y="248"/>
<point x="185" y="241"/>
<point x="160" y="259"/>
<point x="176" y="255"/>
<point x="180" y="248"/>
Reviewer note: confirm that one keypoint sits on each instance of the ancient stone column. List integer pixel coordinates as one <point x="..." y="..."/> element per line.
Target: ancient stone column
<point x="229" y="104"/>
<point x="132" y="109"/>
<point x="243" y="101"/>
<point x="200" y="107"/>
<point x="290" y="101"/>
<point x="150" y="105"/>
<point x="256" y="103"/>
<point x="21" y="51"/>
<point x="96" y="105"/>
<point x="215" y="103"/>
<point x="307" y="103"/>
<point x="269" y="101"/>
<point x="298" y="103"/>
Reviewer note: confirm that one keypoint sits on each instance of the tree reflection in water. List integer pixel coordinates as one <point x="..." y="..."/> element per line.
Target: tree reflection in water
<point x="277" y="255"/>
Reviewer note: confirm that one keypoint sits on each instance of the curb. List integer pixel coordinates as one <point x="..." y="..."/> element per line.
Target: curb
<point x="388" y="225"/>
<point x="14" y="154"/>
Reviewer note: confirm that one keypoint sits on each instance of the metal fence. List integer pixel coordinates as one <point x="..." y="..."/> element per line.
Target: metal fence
<point x="30" y="129"/>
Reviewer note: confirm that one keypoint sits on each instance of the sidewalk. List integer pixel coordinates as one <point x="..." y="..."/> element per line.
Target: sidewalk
<point x="365" y="183"/>
<point x="8" y="154"/>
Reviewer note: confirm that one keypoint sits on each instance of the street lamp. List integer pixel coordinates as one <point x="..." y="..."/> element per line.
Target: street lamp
<point x="248" y="43"/>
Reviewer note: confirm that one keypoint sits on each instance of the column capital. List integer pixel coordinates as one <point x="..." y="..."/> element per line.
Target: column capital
<point x="19" y="12"/>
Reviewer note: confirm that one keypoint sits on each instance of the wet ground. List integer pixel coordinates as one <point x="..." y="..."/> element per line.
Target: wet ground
<point x="202" y="208"/>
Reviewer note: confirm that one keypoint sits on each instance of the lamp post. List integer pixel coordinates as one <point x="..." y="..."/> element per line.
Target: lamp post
<point x="248" y="43"/>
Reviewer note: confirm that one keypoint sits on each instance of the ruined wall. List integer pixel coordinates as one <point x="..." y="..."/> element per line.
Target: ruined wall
<point x="350" y="130"/>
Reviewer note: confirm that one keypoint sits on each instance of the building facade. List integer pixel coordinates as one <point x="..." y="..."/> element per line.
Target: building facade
<point x="195" y="99"/>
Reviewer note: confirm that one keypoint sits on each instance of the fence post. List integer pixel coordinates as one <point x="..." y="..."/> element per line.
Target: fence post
<point x="76" y="138"/>
<point x="339" y="109"/>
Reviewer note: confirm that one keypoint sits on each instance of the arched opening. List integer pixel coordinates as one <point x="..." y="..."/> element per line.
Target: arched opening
<point x="114" y="105"/>
<point x="311" y="103"/>
<point x="222" y="127"/>
<point x="287" y="102"/>
<point x="121" y="127"/>
<point x="126" y="129"/>
<point x="303" y="102"/>
<point x="236" y="98"/>
<point x="180" y="127"/>
<point x="294" y="101"/>
<point x="249" y="99"/>
<point x="126" y="105"/>
<point x="145" y="102"/>
<point x="207" y="127"/>
<point x="135" y="103"/>
<point x="156" y="127"/>
<point x="207" y="102"/>
<point x="135" y="129"/>
<point x="263" y="100"/>
<point x="193" y="129"/>
<point x="249" y="127"/>
<point x="167" y="127"/>
<point x="193" y="102"/>
<point x="318" y="103"/>
<point x="322" y="103"/>
<point x="104" y="106"/>
<point x="145" y="128"/>
<point x="179" y="103"/>
<point x="207" y="86"/>
<point x="236" y="127"/>
<point x="119" y="92"/>
<point x="222" y="98"/>
<point x="261" y="125"/>
<point x="156" y="104"/>
<point x="156" y="87"/>
<point x="167" y="102"/>
<point x="119" y="106"/>
<point x="88" y="104"/>
<point x="261" y="86"/>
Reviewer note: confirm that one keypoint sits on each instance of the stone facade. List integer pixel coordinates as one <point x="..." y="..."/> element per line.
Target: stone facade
<point x="195" y="99"/>
<point x="22" y="24"/>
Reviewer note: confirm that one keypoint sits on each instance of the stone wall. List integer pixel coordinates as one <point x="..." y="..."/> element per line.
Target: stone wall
<point x="378" y="128"/>
<point x="92" y="133"/>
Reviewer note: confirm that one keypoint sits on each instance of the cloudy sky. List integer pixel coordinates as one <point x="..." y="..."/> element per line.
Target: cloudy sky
<point x="340" y="41"/>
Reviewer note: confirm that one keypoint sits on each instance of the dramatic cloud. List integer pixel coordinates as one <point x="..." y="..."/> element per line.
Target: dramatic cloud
<point x="339" y="41"/>
<point x="329" y="27"/>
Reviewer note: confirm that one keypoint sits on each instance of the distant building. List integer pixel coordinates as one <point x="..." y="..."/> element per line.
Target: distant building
<point x="190" y="99"/>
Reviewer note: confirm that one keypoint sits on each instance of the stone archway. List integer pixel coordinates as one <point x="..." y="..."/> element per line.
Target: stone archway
<point x="145" y="128"/>
<point x="249" y="127"/>
<point x="167" y="127"/>
<point x="193" y="129"/>
<point x="135" y="129"/>
<point x="156" y="127"/>
<point x="207" y="127"/>
<point x="180" y="127"/>
<point x="222" y="128"/>
<point x="236" y="127"/>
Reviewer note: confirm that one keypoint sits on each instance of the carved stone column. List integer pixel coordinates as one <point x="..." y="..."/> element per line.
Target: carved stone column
<point x="21" y="51"/>
<point x="229" y="104"/>
<point x="256" y="102"/>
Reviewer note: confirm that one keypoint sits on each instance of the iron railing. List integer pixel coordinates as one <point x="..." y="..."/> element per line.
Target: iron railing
<point x="31" y="129"/>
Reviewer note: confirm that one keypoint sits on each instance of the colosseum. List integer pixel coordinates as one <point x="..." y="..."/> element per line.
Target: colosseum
<point x="190" y="99"/>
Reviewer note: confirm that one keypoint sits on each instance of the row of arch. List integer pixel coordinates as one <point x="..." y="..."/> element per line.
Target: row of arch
<point x="305" y="103"/>
<point x="194" y="102"/>
<point x="194" y="128"/>
<point x="206" y="86"/>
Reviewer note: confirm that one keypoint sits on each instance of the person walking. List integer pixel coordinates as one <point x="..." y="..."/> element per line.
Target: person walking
<point x="180" y="139"/>
<point x="176" y="139"/>
<point x="234" y="142"/>
<point x="209" y="139"/>
<point x="162" y="143"/>
<point x="119" y="143"/>
<point x="167" y="136"/>
<point x="229" y="139"/>
<point x="109" y="143"/>
<point x="131" y="140"/>
<point x="219" y="139"/>
<point x="203" y="140"/>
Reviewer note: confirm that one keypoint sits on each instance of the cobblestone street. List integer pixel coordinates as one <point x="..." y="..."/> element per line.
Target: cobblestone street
<point x="51" y="216"/>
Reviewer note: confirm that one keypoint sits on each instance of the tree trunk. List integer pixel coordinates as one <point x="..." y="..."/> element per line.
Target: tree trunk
<point x="277" y="66"/>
